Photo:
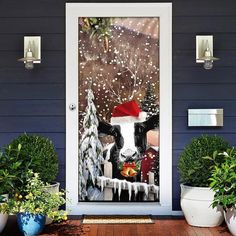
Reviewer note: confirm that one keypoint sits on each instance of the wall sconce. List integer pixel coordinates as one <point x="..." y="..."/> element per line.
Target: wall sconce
<point x="32" y="51"/>
<point x="204" y="51"/>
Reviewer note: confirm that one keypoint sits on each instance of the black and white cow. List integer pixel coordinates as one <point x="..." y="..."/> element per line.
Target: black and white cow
<point x="130" y="142"/>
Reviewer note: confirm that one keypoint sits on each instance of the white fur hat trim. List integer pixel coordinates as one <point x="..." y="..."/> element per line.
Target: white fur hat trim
<point x="129" y="119"/>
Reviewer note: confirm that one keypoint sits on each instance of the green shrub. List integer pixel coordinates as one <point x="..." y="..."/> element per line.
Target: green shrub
<point x="194" y="170"/>
<point x="11" y="173"/>
<point x="37" y="153"/>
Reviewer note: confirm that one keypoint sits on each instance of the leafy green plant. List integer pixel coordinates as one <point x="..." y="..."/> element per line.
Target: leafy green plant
<point x="37" y="153"/>
<point x="11" y="172"/>
<point x="97" y="27"/>
<point x="35" y="199"/>
<point x="194" y="170"/>
<point x="223" y="178"/>
<point x="2" y="199"/>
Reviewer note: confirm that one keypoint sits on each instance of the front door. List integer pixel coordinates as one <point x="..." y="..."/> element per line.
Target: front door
<point x="118" y="92"/>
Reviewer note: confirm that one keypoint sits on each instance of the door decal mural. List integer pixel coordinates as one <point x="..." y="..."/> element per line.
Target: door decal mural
<point x="118" y="109"/>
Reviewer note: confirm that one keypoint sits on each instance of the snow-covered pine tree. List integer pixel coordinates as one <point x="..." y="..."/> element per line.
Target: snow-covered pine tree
<point x="90" y="149"/>
<point x="149" y="102"/>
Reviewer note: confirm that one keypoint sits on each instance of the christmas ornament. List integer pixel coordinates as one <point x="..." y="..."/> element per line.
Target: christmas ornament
<point x="129" y="169"/>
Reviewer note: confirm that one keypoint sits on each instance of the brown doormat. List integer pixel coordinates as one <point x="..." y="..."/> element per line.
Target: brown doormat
<point x="116" y="219"/>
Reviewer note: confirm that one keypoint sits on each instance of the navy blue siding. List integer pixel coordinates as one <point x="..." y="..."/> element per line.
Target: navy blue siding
<point x="194" y="87"/>
<point x="34" y="101"/>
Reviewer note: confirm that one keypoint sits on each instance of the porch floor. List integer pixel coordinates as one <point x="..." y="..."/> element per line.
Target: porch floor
<point x="162" y="227"/>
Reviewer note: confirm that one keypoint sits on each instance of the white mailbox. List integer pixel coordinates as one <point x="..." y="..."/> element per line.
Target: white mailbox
<point x="205" y="117"/>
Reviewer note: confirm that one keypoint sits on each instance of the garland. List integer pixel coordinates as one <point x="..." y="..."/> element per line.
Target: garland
<point x="98" y="28"/>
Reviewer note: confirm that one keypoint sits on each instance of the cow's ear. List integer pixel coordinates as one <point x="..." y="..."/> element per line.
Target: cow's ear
<point x="104" y="128"/>
<point x="151" y="123"/>
<point x="114" y="131"/>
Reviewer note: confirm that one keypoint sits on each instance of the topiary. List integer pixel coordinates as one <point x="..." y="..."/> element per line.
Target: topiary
<point x="194" y="170"/>
<point x="37" y="153"/>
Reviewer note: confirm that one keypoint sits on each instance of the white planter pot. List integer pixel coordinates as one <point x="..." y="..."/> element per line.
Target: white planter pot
<point x="53" y="188"/>
<point x="230" y="219"/>
<point x="3" y="218"/>
<point x="196" y="206"/>
<point x="3" y="221"/>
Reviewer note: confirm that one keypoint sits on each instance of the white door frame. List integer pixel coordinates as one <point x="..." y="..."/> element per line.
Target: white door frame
<point x="164" y="11"/>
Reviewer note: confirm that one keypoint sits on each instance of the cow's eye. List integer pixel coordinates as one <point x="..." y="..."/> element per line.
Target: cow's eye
<point x="134" y="154"/>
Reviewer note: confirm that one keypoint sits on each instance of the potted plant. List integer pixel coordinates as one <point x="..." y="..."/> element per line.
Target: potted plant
<point x="9" y="174"/>
<point x="194" y="170"/>
<point x="223" y="183"/>
<point x="33" y="204"/>
<point x="38" y="153"/>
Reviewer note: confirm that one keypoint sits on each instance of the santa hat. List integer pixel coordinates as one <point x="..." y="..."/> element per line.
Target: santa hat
<point x="128" y="112"/>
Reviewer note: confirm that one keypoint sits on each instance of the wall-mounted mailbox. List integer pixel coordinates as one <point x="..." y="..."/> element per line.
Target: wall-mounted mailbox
<point x="205" y="117"/>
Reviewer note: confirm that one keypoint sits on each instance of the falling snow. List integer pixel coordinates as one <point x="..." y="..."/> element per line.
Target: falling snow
<point x="125" y="70"/>
<point x="120" y="73"/>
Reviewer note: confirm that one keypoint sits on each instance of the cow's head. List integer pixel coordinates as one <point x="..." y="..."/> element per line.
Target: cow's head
<point x="130" y="141"/>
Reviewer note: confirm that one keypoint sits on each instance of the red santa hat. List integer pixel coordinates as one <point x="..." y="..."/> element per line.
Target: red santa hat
<point x="128" y="112"/>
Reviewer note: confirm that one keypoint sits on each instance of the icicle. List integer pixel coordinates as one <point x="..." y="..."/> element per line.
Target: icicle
<point x="114" y="184"/>
<point x="155" y="189"/>
<point x="145" y="186"/>
<point x="103" y="181"/>
<point x="124" y="184"/>
<point x="120" y="188"/>
<point x="129" y="185"/>
<point x="135" y="187"/>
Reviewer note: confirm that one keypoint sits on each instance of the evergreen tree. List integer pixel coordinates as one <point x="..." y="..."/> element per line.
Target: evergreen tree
<point x="90" y="149"/>
<point x="149" y="102"/>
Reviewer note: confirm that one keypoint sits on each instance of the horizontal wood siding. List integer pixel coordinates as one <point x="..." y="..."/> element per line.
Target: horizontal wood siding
<point x="34" y="101"/>
<point x="194" y="87"/>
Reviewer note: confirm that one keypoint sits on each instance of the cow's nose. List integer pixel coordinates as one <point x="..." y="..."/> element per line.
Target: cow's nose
<point x="129" y="154"/>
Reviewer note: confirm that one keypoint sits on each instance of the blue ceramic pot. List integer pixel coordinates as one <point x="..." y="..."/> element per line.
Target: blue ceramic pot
<point x="31" y="224"/>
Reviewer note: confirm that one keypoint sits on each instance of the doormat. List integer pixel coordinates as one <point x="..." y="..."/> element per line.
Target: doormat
<point x="117" y="219"/>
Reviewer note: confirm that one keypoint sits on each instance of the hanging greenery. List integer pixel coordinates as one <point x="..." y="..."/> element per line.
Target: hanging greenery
<point x="97" y="27"/>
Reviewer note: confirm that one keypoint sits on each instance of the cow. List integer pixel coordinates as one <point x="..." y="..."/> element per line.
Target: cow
<point x="128" y="147"/>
